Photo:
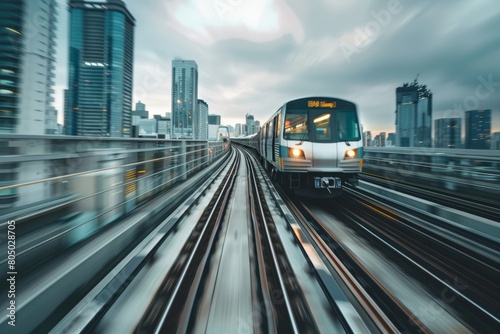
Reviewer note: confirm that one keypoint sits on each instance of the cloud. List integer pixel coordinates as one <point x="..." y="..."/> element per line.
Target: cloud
<point x="206" y="22"/>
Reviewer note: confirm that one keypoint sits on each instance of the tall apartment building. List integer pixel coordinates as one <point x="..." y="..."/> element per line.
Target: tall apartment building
<point x="367" y="138"/>
<point x="202" y="124"/>
<point x="448" y="132"/>
<point x="478" y="129"/>
<point x="27" y="65"/>
<point x="237" y="130"/>
<point x="184" y="98"/>
<point x="250" y="123"/>
<point x="101" y="52"/>
<point x="413" y="115"/>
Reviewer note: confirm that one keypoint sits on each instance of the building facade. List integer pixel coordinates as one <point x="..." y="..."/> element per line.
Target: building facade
<point x="478" y="129"/>
<point x="214" y="119"/>
<point x="391" y="139"/>
<point x="448" y="132"/>
<point x="27" y="65"/>
<point x="184" y="98"/>
<point x="237" y="130"/>
<point x="100" y="69"/>
<point x="140" y="110"/>
<point x="413" y="115"/>
<point x="202" y="125"/>
<point x="27" y="72"/>
<point x="250" y="123"/>
<point x="495" y="141"/>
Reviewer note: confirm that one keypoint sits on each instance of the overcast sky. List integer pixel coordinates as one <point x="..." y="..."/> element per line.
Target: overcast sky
<point x="254" y="55"/>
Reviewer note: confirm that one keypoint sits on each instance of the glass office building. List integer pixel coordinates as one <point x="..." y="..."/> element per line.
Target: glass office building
<point x="100" y="69"/>
<point x="448" y="132"/>
<point x="184" y="98"/>
<point x="413" y="116"/>
<point x="478" y="129"/>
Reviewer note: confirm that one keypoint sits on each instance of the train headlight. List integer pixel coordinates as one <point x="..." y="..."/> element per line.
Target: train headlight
<point x="297" y="153"/>
<point x="350" y="154"/>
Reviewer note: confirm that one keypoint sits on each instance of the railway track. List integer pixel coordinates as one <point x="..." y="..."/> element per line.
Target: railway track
<point x="279" y="300"/>
<point x="186" y="297"/>
<point x="459" y="267"/>
<point x="173" y="303"/>
<point x="339" y="276"/>
<point x="289" y="311"/>
<point x="460" y="276"/>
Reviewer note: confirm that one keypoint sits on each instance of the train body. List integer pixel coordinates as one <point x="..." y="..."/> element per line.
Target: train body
<point x="311" y="145"/>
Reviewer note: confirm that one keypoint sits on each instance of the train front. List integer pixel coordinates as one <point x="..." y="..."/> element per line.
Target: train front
<point x="322" y="148"/>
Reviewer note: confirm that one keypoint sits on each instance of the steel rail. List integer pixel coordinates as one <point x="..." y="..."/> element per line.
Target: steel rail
<point x="302" y="315"/>
<point x="377" y="314"/>
<point x="435" y="264"/>
<point x="259" y="219"/>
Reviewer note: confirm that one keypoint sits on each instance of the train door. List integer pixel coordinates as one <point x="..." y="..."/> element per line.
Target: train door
<point x="274" y="139"/>
<point x="266" y="137"/>
<point x="270" y="140"/>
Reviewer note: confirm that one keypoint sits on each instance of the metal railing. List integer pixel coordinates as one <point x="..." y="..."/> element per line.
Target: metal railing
<point x="106" y="177"/>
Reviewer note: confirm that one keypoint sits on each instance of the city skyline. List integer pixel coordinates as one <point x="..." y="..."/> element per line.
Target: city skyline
<point x="245" y="52"/>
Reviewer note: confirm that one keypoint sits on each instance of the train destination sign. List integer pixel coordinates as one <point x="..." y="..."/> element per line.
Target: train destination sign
<point x="321" y="104"/>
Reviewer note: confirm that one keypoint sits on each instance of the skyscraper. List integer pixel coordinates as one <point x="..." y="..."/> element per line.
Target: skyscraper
<point x="478" y="129"/>
<point x="202" y="126"/>
<point x="413" y="115"/>
<point x="100" y="69"/>
<point x="367" y="138"/>
<point x="27" y="57"/>
<point x="249" y="121"/>
<point x="237" y="130"/>
<point x="448" y="132"/>
<point x="184" y="98"/>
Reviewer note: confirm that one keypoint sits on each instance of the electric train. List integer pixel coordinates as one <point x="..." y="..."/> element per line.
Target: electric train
<point x="311" y="145"/>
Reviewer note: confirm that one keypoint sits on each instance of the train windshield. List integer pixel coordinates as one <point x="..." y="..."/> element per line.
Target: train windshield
<point x="320" y="125"/>
<point x="347" y="125"/>
<point x="296" y="125"/>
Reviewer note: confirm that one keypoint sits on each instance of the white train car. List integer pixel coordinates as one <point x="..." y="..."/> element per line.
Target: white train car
<point x="311" y="145"/>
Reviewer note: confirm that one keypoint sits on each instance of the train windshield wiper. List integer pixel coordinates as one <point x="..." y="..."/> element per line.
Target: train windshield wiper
<point x="341" y="135"/>
<point x="303" y="138"/>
